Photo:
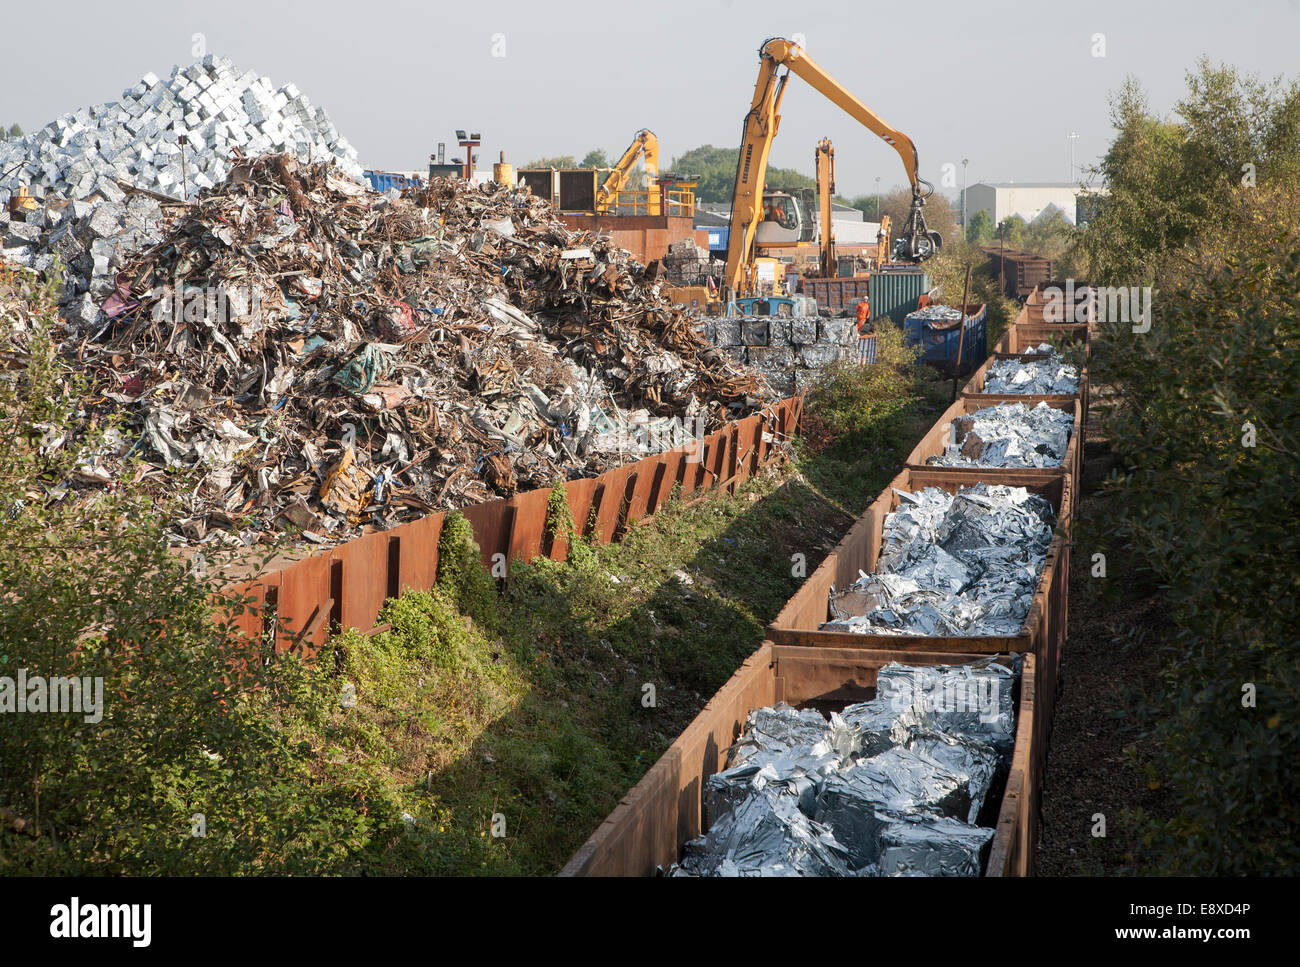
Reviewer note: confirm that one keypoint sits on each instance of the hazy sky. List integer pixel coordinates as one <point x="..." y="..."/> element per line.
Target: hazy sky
<point x="1000" y="83"/>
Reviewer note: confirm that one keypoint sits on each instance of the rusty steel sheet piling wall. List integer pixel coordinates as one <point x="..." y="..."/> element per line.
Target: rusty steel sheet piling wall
<point x="346" y="586"/>
<point x="648" y="828"/>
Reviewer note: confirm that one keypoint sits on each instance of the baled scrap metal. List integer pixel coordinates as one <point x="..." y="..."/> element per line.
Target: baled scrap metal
<point x="76" y="166"/>
<point x="931" y="846"/>
<point x="1050" y="375"/>
<point x="1008" y="435"/>
<point x="951" y="564"/>
<point x="893" y="786"/>
<point x="456" y="359"/>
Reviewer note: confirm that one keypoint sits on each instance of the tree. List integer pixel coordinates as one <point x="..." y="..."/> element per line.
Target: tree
<point x="561" y="161"/>
<point x="1197" y="510"/>
<point x="1048" y="234"/>
<point x="14" y="131"/>
<point x="715" y="169"/>
<point x="1012" y="232"/>
<point x="980" y="229"/>
<point x="595" y="159"/>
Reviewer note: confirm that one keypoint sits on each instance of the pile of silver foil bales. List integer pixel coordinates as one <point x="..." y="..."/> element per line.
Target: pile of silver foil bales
<point x="79" y="167"/>
<point x="322" y="357"/>
<point x="1048" y="375"/>
<point x="951" y="564"/>
<point x="1008" y="435"/>
<point x="896" y="786"/>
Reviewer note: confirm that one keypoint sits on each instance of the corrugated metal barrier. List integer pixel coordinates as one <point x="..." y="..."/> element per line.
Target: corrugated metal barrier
<point x="345" y="586"/>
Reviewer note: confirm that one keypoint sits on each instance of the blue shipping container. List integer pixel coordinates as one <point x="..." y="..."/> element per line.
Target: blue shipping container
<point x="384" y="180"/>
<point x="939" y="346"/>
<point x="718" y="236"/>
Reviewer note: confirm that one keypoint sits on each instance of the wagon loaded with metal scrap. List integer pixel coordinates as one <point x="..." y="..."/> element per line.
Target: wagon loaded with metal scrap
<point x="954" y="579"/>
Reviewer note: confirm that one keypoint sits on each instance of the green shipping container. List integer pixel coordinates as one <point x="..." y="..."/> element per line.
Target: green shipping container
<point x="894" y="293"/>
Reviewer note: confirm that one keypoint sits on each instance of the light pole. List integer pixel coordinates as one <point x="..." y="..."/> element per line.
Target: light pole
<point x="469" y="143"/>
<point x="964" y="163"/>
<point x="877" y="197"/>
<point x="1072" y="137"/>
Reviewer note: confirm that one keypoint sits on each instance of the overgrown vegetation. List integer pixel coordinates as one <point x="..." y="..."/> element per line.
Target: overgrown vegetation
<point x="947" y="270"/>
<point x="527" y="708"/>
<point x="181" y="736"/>
<point x="1202" y="209"/>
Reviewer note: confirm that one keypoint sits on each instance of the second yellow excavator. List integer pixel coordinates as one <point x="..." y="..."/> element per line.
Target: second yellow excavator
<point x="914" y="243"/>
<point x="644" y="143"/>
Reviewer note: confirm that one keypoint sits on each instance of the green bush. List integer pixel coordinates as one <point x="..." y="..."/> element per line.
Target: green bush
<point x="1200" y="511"/>
<point x="860" y="407"/>
<point x="187" y="730"/>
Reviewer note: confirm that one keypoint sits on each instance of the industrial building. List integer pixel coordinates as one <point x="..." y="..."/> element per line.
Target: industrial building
<point x="1028" y="199"/>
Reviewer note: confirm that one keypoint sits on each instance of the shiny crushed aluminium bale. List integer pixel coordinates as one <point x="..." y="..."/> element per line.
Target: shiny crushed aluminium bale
<point x="1049" y="376"/>
<point x="101" y="173"/>
<point x="291" y="316"/>
<point x="951" y="564"/>
<point x="891" y="786"/>
<point x="1008" y="435"/>
<point x="932" y="846"/>
<point x="976" y="763"/>
<point x="966" y="700"/>
<point x="767" y="834"/>
<point x="856" y="803"/>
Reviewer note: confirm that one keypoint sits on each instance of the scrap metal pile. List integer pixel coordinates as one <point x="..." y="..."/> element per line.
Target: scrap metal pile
<point x="689" y="264"/>
<point x="951" y="564"/>
<point x="1046" y="376"/>
<point x="325" y="356"/>
<point x="94" y="179"/>
<point x="937" y="313"/>
<point x="1008" y="435"/>
<point x="896" y="786"/>
<point x="217" y="108"/>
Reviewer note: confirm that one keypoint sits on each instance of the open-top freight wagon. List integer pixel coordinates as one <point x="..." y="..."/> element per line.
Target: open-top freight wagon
<point x="646" y="832"/>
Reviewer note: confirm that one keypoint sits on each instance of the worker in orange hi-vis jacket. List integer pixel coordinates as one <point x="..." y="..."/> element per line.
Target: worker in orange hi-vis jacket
<point x="864" y="313"/>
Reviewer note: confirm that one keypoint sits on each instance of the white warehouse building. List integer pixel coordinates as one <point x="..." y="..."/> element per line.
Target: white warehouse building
<point x="1028" y="199"/>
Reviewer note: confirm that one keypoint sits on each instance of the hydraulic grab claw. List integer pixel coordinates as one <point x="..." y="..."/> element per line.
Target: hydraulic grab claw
<point x="916" y="243"/>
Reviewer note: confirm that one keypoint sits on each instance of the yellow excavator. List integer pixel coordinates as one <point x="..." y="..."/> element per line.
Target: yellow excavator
<point x="824" y="165"/>
<point x="778" y="59"/>
<point x="643" y="144"/>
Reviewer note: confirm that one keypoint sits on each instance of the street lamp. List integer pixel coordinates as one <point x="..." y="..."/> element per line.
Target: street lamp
<point x="1072" y="137"/>
<point x="877" y="197"/>
<point x="964" y="163"/>
<point x="469" y="143"/>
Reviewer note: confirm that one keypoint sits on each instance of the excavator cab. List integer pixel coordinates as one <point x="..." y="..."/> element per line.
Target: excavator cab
<point x="916" y="243"/>
<point x="783" y="220"/>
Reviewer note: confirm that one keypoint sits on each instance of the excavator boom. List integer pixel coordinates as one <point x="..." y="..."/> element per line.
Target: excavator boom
<point x="644" y="143"/>
<point x="915" y="243"/>
<point x="824" y="165"/>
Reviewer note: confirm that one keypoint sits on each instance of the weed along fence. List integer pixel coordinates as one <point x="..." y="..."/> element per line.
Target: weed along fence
<point x="816" y="658"/>
<point x="346" y="586"/>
